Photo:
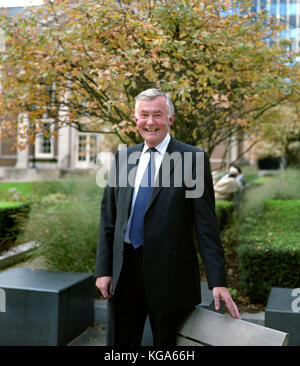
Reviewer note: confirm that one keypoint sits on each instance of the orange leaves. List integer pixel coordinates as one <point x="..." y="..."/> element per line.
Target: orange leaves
<point x="154" y="53"/>
<point x="221" y="101"/>
<point x="100" y="55"/>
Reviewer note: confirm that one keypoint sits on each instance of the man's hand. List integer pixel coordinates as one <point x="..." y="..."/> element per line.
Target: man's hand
<point x="105" y="285"/>
<point x="221" y="293"/>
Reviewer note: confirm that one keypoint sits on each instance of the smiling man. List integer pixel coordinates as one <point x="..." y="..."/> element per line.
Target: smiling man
<point x="146" y="260"/>
<point x="153" y="118"/>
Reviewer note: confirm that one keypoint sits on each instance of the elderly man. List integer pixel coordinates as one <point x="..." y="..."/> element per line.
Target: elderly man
<point x="146" y="261"/>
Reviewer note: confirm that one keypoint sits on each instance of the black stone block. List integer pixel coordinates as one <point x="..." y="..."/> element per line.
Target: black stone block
<point x="283" y="313"/>
<point x="44" y="308"/>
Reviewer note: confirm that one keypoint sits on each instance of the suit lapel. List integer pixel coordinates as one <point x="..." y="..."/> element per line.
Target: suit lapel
<point x="157" y="187"/>
<point x="131" y="166"/>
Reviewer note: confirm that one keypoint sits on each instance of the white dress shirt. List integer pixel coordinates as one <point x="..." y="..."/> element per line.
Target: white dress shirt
<point x="142" y="165"/>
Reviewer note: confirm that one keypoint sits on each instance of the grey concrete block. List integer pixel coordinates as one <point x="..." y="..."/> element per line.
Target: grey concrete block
<point x="280" y="315"/>
<point x="45" y="308"/>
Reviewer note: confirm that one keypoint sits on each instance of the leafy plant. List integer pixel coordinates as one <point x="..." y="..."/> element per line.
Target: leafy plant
<point x="66" y="226"/>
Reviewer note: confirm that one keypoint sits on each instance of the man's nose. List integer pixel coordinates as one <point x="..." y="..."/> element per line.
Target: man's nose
<point x="150" y="119"/>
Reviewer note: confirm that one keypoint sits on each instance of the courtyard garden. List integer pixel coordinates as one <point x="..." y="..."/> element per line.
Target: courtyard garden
<point x="261" y="234"/>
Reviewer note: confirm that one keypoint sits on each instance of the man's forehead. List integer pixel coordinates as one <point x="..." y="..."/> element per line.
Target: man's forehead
<point x="157" y="104"/>
<point x="146" y="109"/>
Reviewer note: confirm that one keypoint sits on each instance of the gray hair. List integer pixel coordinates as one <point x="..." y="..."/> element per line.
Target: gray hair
<point x="150" y="94"/>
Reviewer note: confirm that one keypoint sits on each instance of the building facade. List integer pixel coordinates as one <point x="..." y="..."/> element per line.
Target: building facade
<point x="286" y="11"/>
<point x="69" y="150"/>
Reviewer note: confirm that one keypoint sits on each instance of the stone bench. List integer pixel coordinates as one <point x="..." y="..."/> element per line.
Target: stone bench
<point x="283" y="312"/>
<point x="204" y="327"/>
<point x="44" y="308"/>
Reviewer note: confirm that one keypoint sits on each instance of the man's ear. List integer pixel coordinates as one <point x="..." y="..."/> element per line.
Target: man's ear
<point x="171" y="120"/>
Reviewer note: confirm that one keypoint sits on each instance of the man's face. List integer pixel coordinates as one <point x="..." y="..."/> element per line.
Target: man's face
<point x="152" y="120"/>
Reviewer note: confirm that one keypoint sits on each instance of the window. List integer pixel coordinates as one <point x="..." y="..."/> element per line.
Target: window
<point x="293" y="13"/>
<point x="82" y="144"/>
<point x="93" y="149"/>
<point x="283" y="9"/>
<point x="44" y="141"/>
<point x="86" y="150"/>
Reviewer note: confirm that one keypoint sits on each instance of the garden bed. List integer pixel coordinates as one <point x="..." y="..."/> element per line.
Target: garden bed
<point x="269" y="250"/>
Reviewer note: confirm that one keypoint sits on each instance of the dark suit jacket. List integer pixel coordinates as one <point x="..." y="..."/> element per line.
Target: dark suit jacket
<point x="171" y="269"/>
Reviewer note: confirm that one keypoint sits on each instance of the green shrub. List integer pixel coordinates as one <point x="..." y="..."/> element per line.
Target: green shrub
<point x="224" y="212"/>
<point x="269" y="250"/>
<point x="284" y="185"/>
<point x="11" y="216"/>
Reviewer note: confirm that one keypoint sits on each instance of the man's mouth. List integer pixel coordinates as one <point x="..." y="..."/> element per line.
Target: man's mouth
<point x="151" y="129"/>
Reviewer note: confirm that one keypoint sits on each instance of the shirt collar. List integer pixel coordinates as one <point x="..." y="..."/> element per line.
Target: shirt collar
<point x="161" y="147"/>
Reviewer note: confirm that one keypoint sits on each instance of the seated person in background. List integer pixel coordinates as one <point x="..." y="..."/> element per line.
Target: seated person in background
<point x="227" y="187"/>
<point x="239" y="177"/>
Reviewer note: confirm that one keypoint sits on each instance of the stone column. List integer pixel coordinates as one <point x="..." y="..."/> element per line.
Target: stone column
<point x="64" y="135"/>
<point x="63" y="155"/>
<point x="22" y="154"/>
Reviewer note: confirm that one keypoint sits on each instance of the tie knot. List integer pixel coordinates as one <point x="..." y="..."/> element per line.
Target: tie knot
<point x="151" y="149"/>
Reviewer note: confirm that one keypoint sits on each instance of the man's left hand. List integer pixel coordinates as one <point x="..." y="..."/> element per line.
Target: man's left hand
<point x="221" y="293"/>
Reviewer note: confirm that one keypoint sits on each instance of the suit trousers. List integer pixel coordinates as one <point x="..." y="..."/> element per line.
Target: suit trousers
<point x="130" y="308"/>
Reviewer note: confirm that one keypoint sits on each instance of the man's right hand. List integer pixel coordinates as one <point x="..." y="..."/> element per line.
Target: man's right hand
<point x="105" y="286"/>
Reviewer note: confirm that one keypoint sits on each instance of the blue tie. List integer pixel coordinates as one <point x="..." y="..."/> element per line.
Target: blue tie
<point x="136" y="233"/>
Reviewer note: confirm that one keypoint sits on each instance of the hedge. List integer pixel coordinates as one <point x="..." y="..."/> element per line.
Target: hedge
<point x="269" y="250"/>
<point x="224" y="212"/>
<point x="11" y="214"/>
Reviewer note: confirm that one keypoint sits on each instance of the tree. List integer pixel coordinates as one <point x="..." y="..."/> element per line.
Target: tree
<point x="83" y="62"/>
<point x="280" y="134"/>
